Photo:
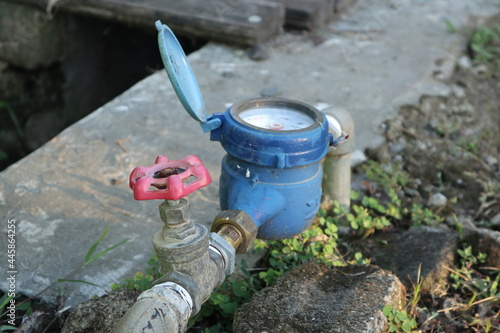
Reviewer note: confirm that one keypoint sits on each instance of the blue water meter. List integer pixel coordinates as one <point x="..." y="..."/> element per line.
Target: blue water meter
<point x="272" y="169"/>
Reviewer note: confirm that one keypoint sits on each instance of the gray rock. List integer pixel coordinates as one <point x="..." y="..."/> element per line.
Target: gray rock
<point x="317" y="298"/>
<point x="437" y="200"/>
<point x="405" y="253"/>
<point x="100" y="314"/>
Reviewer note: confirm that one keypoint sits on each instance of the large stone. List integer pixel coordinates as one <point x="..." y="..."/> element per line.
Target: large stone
<point x="29" y="37"/>
<point x="100" y="314"/>
<point x="423" y="250"/>
<point x="317" y="298"/>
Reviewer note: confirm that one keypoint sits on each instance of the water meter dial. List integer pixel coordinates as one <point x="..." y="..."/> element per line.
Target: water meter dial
<point x="276" y="119"/>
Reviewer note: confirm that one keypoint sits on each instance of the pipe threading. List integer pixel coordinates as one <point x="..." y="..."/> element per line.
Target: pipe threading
<point x="230" y="234"/>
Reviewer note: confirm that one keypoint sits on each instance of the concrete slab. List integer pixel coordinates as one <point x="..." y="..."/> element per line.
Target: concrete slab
<point x="378" y="56"/>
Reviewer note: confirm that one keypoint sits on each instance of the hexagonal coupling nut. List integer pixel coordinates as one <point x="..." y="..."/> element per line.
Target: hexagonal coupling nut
<point x="225" y="250"/>
<point x="237" y="227"/>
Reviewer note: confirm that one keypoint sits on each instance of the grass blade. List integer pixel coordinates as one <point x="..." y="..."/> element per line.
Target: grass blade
<point x="4" y="301"/>
<point x="79" y="281"/>
<point x="13" y="118"/>
<point x="94" y="246"/>
<point x="90" y="259"/>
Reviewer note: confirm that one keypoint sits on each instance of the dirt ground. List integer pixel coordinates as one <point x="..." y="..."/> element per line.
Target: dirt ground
<point x="450" y="148"/>
<point x="451" y="145"/>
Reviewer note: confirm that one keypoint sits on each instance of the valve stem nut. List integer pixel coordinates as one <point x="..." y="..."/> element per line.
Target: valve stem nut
<point x="174" y="212"/>
<point x="176" y="216"/>
<point x="237" y="227"/>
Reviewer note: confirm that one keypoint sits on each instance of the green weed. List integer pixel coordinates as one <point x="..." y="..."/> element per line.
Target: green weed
<point x="478" y="290"/>
<point x="399" y="320"/>
<point x="141" y="281"/>
<point x="390" y="177"/>
<point x="485" y="43"/>
<point x="421" y="215"/>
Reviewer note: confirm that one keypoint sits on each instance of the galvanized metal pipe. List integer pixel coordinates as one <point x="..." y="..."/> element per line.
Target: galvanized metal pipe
<point x="337" y="164"/>
<point x="164" y="308"/>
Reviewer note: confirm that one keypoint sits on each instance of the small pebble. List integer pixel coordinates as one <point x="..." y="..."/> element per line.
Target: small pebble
<point x="397" y="147"/>
<point x="491" y="160"/>
<point x="412" y="193"/>
<point x="433" y="124"/>
<point x="495" y="220"/>
<point x="357" y="157"/>
<point x="480" y="70"/>
<point x="464" y="62"/>
<point x="437" y="200"/>
<point x="458" y="91"/>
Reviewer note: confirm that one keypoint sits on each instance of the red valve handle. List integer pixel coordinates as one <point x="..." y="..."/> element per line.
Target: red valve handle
<point x="173" y="179"/>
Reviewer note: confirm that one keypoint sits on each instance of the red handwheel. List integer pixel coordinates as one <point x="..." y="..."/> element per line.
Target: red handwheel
<point x="169" y="179"/>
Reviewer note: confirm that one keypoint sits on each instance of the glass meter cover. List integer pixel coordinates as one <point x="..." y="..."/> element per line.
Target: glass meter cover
<point x="277" y="119"/>
<point x="275" y="115"/>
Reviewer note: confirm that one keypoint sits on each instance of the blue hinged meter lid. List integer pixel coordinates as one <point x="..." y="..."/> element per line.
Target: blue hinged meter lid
<point x="180" y="73"/>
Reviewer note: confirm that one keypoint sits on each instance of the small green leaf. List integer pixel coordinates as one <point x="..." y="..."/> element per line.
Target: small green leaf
<point x="24" y="306"/>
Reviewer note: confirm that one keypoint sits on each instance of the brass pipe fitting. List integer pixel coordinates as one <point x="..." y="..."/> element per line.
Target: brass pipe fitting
<point x="237" y="228"/>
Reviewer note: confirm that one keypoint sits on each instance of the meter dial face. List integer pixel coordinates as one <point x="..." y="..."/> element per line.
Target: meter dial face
<point x="276" y="119"/>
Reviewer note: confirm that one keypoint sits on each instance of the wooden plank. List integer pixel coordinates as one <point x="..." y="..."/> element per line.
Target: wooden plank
<point x="306" y="14"/>
<point x="229" y="21"/>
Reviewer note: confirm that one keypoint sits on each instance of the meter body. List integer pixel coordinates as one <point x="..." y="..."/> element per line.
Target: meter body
<point x="272" y="169"/>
